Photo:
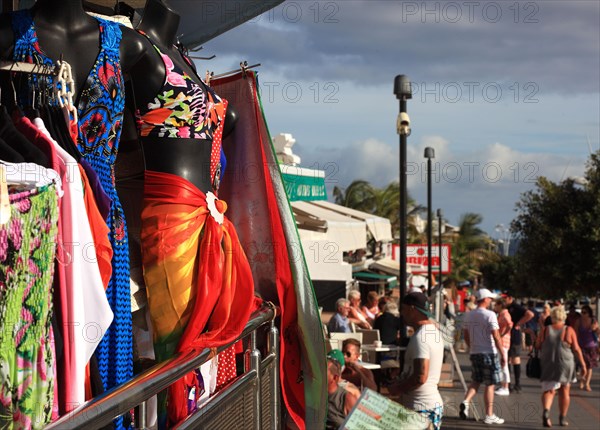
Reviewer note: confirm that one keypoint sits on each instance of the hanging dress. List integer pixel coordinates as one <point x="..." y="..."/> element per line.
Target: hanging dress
<point x="100" y="112"/>
<point x="27" y="361"/>
<point x="198" y="280"/>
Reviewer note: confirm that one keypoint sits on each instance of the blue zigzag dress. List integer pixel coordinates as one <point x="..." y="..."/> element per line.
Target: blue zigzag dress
<point x="100" y="112"/>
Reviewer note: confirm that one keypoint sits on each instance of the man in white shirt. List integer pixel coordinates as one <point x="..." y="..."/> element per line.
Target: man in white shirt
<point x="422" y="362"/>
<point x="482" y="335"/>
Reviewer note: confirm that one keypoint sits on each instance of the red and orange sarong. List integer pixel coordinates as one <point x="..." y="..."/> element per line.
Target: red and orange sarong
<point x="198" y="280"/>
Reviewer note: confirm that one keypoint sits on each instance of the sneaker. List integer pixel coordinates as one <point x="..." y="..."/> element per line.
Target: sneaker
<point x="502" y="392"/>
<point x="464" y="410"/>
<point x="493" y="419"/>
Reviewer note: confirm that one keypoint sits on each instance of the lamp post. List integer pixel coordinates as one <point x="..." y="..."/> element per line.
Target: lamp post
<point x="429" y="154"/>
<point x="403" y="92"/>
<point x="440" y="217"/>
<point x="438" y="296"/>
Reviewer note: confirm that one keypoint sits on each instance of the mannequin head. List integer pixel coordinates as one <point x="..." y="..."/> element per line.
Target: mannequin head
<point x="160" y="22"/>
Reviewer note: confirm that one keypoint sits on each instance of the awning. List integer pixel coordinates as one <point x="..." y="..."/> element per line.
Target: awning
<point x="341" y="232"/>
<point x="376" y="277"/>
<point x="387" y="265"/>
<point x="380" y="228"/>
<point x="201" y="20"/>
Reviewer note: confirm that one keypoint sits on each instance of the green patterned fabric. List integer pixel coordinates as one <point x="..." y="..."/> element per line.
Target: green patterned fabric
<point x="27" y="361"/>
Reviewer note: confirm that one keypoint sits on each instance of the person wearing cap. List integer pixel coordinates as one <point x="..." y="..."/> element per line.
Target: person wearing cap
<point x="520" y="316"/>
<point x="418" y="384"/>
<point x="482" y="335"/>
<point x="340" y="400"/>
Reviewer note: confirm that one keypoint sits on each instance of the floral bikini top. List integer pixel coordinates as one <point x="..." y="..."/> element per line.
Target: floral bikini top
<point x="184" y="109"/>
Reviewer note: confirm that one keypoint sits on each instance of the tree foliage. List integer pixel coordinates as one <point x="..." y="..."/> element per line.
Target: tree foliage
<point x="558" y="225"/>
<point x="469" y="249"/>
<point x="383" y="202"/>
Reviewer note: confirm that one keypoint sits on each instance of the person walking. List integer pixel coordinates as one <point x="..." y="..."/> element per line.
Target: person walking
<point x="559" y="346"/>
<point x="482" y="335"/>
<point x="520" y="316"/>
<point x="418" y="383"/>
<point x="505" y="323"/>
<point x="587" y="330"/>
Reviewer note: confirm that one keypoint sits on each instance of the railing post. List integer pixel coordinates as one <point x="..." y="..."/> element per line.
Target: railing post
<point x="142" y="416"/>
<point x="255" y="365"/>
<point x="274" y="349"/>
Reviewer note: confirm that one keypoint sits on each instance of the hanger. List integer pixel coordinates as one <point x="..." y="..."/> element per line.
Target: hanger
<point x="4" y="199"/>
<point x="244" y="67"/>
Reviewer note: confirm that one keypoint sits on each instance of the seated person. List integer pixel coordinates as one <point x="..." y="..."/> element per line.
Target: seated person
<point x="355" y="315"/>
<point x="388" y="324"/>
<point x="353" y="371"/>
<point x="339" y="322"/>
<point x="341" y="401"/>
<point x="371" y="309"/>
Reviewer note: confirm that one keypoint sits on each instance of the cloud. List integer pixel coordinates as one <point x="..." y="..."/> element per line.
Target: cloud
<point x="554" y="44"/>
<point x="488" y="181"/>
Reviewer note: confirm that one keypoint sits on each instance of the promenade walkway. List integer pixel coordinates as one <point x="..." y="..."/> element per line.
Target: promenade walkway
<point x="523" y="410"/>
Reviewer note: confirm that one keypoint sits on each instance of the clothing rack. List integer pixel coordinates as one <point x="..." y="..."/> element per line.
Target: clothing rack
<point x="65" y="85"/>
<point x="37" y="69"/>
<point x="244" y="67"/>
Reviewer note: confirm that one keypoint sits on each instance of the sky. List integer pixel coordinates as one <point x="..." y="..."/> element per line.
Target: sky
<point x="504" y="91"/>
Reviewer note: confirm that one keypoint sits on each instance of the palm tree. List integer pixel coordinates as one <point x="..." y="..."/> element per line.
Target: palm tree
<point x="383" y="202"/>
<point x="359" y="195"/>
<point x="470" y="248"/>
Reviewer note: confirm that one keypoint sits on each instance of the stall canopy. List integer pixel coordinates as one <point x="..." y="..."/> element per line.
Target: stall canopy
<point x="380" y="228"/>
<point x="370" y="277"/>
<point x="201" y="20"/>
<point x="387" y="265"/>
<point x="316" y="223"/>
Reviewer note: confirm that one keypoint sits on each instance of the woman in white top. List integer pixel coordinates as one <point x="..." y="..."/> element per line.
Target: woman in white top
<point x="355" y="315"/>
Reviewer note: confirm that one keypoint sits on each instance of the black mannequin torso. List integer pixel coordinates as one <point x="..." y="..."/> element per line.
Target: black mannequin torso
<point x="187" y="158"/>
<point x="64" y="28"/>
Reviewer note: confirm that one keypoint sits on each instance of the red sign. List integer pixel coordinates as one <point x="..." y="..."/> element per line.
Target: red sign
<point x="416" y="255"/>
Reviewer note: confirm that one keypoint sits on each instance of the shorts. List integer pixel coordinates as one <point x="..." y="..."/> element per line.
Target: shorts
<point x="434" y="415"/>
<point x="486" y="369"/>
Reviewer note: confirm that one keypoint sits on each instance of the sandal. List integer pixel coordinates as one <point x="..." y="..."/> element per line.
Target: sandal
<point x="546" y="419"/>
<point x="563" y="421"/>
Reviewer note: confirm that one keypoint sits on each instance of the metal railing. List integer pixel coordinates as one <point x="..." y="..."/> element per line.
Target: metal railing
<point x="219" y="409"/>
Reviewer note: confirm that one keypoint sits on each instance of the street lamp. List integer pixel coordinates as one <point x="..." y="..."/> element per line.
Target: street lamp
<point x="440" y="217"/>
<point x="403" y="92"/>
<point x="504" y="238"/>
<point x="429" y="154"/>
<point x="438" y="296"/>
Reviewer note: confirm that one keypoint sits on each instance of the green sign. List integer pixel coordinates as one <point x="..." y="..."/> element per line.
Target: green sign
<point x="305" y="188"/>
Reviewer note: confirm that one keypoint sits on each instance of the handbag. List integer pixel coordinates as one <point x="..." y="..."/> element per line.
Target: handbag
<point x="533" y="369"/>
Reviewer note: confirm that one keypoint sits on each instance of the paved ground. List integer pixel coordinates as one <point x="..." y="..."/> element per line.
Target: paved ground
<point x="519" y="410"/>
<point x="523" y="410"/>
